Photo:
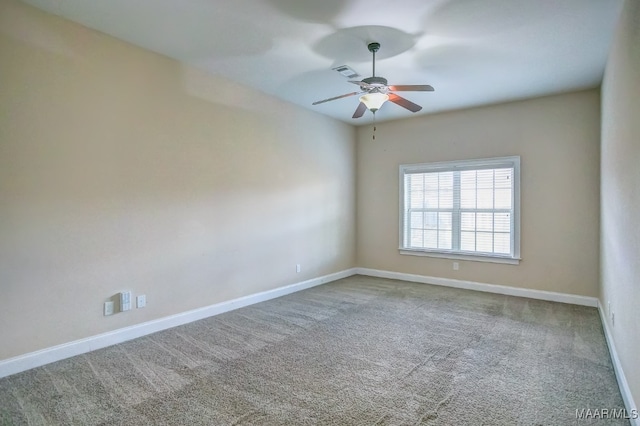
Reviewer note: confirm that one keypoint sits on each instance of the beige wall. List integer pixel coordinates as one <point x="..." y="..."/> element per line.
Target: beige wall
<point x="123" y="170"/>
<point x="558" y="140"/>
<point x="620" y="201"/>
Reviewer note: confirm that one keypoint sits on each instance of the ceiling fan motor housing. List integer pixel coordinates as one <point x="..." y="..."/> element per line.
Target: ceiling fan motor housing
<point x="375" y="81"/>
<point x="379" y="83"/>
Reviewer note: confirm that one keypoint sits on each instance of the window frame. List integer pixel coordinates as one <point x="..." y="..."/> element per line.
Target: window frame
<point x="460" y="165"/>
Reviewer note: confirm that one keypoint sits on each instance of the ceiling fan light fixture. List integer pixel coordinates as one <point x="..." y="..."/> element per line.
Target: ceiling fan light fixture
<point x="376" y="90"/>
<point x="374" y="100"/>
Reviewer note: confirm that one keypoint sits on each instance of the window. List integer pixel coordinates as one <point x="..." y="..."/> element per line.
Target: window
<point x="461" y="209"/>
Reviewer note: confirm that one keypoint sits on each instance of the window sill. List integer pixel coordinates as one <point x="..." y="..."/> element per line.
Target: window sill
<point x="457" y="256"/>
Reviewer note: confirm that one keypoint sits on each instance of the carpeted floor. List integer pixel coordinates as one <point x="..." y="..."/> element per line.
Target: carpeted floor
<point x="359" y="351"/>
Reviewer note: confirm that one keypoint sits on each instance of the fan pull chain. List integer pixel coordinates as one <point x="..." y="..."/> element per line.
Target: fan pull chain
<point x="374" y="125"/>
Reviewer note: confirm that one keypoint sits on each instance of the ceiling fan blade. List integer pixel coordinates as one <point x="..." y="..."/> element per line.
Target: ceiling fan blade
<point x="360" y="110"/>
<point x="336" y="97"/>
<point x="405" y="103"/>
<point x="412" y="88"/>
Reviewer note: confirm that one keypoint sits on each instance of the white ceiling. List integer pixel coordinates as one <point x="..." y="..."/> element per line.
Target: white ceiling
<point x="474" y="52"/>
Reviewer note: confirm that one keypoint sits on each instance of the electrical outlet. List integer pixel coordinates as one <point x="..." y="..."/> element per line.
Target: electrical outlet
<point x="108" y="308"/>
<point x="456" y="266"/>
<point x="298" y="268"/>
<point x="141" y="301"/>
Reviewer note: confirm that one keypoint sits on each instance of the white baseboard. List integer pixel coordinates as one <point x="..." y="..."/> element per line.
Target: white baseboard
<point x="617" y="367"/>
<point x="56" y="353"/>
<point x="488" y="288"/>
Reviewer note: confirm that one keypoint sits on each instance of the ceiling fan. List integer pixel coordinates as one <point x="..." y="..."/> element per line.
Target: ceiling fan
<point x="376" y="91"/>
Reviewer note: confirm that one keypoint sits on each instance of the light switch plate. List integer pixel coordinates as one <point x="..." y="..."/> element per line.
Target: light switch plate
<point x="125" y="301"/>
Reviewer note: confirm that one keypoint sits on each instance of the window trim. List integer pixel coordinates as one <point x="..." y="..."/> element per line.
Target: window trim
<point x="459" y="165"/>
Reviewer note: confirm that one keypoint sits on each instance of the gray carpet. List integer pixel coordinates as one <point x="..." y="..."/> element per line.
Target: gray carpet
<point x="359" y="351"/>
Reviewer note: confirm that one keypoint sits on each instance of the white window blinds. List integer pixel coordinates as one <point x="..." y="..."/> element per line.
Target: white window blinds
<point x="465" y="207"/>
